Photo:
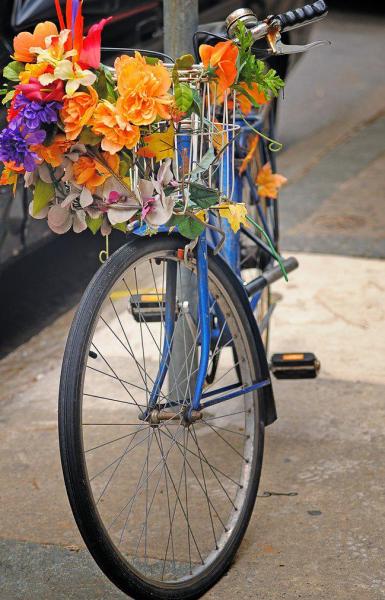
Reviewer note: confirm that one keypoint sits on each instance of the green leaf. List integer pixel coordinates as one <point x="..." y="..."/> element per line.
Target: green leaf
<point x="187" y="226"/>
<point x="13" y="70"/>
<point x="94" y="224"/>
<point x="203" y="196"/>
<point x="203" y="165"/>
<point x="124" y="167"/>
<point x="105" y="86"/>
<point x="183" y="97"/>
<point x="121" y="227"/>
<point x="8" y="96"/>
<point x="152" y="60"/>
<point x="197" y="102"/>
<point x="185" y="62"/>
<point x="88" y="137"/>
<point x="43" y="194"/>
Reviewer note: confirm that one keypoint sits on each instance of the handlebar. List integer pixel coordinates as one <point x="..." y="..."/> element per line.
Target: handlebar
<point x="302" y="16"/>
<point x="291" y="19"/>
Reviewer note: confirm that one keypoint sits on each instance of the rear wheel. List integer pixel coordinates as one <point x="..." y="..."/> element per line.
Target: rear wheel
<point x="161" y="506"/>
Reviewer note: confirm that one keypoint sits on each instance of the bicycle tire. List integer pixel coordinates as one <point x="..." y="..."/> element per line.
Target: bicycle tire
<point x="92" y="529"/>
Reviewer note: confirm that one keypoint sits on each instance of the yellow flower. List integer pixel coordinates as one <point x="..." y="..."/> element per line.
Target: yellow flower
<point x="55" y="49"/>
<point x="70" y="72"/>
<point x="235" y="213"/>
<point x="33" y="70"/>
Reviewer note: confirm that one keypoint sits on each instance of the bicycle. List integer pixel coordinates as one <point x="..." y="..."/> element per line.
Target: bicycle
<point x="162" y="472"/>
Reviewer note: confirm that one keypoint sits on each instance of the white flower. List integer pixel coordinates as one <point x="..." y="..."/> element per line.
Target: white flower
<point x="70" y="212"/>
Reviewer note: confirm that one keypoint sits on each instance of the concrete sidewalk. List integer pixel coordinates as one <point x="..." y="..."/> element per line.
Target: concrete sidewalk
<point x="326" y="542"/>
<point x="327" y="447"/>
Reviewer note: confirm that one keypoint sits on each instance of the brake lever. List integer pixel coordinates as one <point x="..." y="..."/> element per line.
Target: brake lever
<point x="280" y="48"/>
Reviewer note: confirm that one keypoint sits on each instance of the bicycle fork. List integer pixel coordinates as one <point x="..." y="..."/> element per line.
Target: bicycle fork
<point x="169" y="330"/>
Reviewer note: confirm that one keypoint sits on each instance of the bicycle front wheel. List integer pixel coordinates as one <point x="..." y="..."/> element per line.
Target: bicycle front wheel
<point x="161" y="505"/>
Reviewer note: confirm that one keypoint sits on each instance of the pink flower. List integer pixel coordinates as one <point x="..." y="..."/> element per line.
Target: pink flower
<point x="35" y="91"/>
<point x="90" y="55"/>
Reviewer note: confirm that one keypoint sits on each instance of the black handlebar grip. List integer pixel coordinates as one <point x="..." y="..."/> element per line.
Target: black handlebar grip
<point x="302" y="16"/>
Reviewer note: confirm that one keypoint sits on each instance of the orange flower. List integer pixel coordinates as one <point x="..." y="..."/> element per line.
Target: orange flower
<point x="253" y="145"/>
<point x="10" y="174"/>
<point x="222" y="59"/>
<point x="91" y="173"/>
<point x="269" y="182"/>
<point x="252" y="90"/>
<point x="143" y="90"/>
<point x="77" y="111"/>
<point x="53" y="154"/>
<point x="116" y="131"/>
<point x="25" y="40"/>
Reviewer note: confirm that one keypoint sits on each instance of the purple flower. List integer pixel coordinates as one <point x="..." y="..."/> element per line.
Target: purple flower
<point x="33" y="114"/>
<point x="15" y="146"/>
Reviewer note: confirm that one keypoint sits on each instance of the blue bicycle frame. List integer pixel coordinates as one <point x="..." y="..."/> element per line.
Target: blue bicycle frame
<point x="231" y="254"/>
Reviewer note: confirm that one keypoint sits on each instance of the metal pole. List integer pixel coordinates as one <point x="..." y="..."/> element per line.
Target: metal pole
<point x="180" y="18"/>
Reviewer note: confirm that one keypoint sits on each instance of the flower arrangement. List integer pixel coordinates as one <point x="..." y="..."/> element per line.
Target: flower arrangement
<point x="105" y="148"/>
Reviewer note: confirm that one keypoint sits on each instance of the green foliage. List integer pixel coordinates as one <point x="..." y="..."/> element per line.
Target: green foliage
<point x="43" y="194"/>
<point x="187" y="226"/>
<point x="252" y="70"/>
<point x="121" y="227"/>
<point x="203" y="196"/>
<point x="184" y="62"/>
<point x="105" y="85"/>
<point x="13" y="70"/>
<point x="183" y="96"/>
<point x="9" y="94"/>
<point x="88" y="137"/>
<point x="94" y="224"/>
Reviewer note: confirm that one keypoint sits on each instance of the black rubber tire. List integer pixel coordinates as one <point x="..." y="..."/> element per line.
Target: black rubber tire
<point x="71" y="448"/>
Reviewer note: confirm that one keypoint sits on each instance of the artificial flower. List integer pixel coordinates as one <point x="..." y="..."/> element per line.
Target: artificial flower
<point x="268" y="182"/>
<point x="70" y="212"/>
<point x="34" y="70"/>
<point x="117" y="133"/>
<point x="55" y="49"/>
<point x="157" y="208"/>
<point x="34" y="90"/>
<point x="255" y="92"/>
<point x="90" y="55"/>
<point x="10" y="174"/>
<point x="143" y="90"/>
<point x="253" y="145"/>
<point x="221" y="61"/>
<point x="54" y="153"/>
<point x="70" y="72"/>
<point x="33" y="115"/>
<point x="235" y="213"/>
<point x="25" y="41"/>
<point x="77" y="111"/>
<point x="91" y="173"/>
<point x="15" y="146"/>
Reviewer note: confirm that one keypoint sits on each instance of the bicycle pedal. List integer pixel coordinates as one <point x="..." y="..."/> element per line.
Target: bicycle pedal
<point x="150" y="307"/>
<point x="295" y="365"/>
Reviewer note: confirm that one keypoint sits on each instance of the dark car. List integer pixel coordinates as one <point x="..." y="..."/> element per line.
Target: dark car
<point x="135" y="24"/>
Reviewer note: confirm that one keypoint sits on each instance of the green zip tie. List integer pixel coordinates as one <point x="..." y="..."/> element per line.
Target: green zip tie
<point x="271" y="246"/>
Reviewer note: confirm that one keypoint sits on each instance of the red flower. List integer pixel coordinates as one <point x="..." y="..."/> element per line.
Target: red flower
<point x="34" y="90"/>
<point x="90" y="55"/>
